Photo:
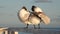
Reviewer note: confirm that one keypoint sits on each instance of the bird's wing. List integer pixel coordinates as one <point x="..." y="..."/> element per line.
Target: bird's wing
<point x="18" y="14"/>
<point x="45" y="18"/>
<point x="23" y="14"/>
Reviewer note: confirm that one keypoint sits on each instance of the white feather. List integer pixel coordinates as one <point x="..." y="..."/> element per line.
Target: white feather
<point x="38" y="9"/>
<point x="41" y="14"/>
<point x="24" y="15"/>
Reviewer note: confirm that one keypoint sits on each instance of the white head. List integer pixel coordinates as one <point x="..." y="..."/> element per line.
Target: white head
<point x="36" y="9"/>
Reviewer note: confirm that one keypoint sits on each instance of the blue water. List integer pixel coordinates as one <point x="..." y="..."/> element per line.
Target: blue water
<point x="24" y="33"/>
<point x="52" y="30"/>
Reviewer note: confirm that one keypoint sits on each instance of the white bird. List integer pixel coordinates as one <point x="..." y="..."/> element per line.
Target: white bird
<point x="38" y="11"/>
<point x="28" y="18"/>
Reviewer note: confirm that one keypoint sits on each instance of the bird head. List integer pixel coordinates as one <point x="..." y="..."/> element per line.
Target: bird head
<point x="33" y="7"/>
<point x="24" y="8"/>
<point x="36" y="9"/>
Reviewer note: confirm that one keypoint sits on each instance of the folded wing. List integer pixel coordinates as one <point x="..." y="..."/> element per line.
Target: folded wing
<point x="45" y="18"/>
<point x="38" y="11"/>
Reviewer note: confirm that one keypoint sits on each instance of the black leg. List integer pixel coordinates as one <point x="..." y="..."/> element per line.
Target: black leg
<point x="38" y="26"/>
<point x="27" y="25"/>
<point x="34" y="27"/>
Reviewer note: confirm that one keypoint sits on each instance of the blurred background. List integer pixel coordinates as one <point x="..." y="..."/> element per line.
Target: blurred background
<point x="9" y="10"/>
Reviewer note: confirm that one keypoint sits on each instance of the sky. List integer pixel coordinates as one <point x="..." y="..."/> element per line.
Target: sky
<point x="9" y="10"/>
